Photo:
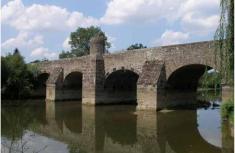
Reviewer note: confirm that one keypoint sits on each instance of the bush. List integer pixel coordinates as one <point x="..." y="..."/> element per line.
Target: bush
<point x="227" y="109"/>
<point x="210" y="80"/>
<point x="17" y="77"/>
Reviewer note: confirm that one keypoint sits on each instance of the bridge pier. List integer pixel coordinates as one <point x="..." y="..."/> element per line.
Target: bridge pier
<point x="150" y="86"/>
<point x="50" y="92"/>
<point x="93" y="82"/>
<point x="146" y="97"/>
<point x="94" y="75"/>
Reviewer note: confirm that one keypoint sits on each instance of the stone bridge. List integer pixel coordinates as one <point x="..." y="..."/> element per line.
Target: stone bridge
<point x="147" y="77"/>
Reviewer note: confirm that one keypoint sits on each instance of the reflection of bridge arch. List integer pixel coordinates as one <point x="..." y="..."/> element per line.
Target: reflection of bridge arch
<point x="208" y="128"/>
<point x="69" y="117"/>
<point x="121" y="86"/>
<point x="181" y="133"/>
<point x="121" y="127"/>
<point x="176" y="130"/>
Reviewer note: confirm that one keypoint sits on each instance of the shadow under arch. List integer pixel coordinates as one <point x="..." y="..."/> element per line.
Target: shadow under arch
<point x="40" y="85"/>
<point x="72" y="86"/>
<point x="182" y="84"/>
<point x="120" y="86"/>
<point x="186" y="77"/>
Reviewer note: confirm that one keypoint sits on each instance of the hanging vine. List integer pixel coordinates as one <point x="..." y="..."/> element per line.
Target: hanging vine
<point x="224" y="41"/>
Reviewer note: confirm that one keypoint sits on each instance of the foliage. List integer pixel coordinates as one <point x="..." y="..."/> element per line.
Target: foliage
<point x="65" y="54"/>
<point x="33" y="68"/>
<point x="17" y="76"/>
<point x="208" y="95"/>
<point x="210" y="80"/>
<point x="227" y="109"/>
<point x="136" y="46"/>
<point x="37" y="61"/>
<point x="4" y="71"/>
<point x="224" y="43"/>
<point x="79" y="41"/>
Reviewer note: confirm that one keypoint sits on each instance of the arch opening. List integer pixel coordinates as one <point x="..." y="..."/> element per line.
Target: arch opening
<point x="121" y="87"/>
<point x="72" y="86"/>
<point x="186" y="78"/>
<point x="183" y="84"/>
<point x="40" y="85"/>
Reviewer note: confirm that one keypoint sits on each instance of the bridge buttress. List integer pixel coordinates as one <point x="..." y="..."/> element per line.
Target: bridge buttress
<point x="54" y="83"/>
<point x="94" y="75"/>
<point x="150" y="86"/>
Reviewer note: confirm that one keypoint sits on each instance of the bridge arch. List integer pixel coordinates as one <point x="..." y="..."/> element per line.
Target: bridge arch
<point x="72" y="86"/>
<point x="126" y="68"/>
<point x="68" y="71"/>
<point x="186" y="77"/>
<point x="120" y="86"/>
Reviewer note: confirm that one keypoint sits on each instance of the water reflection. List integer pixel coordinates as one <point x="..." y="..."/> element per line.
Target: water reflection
<point x="15" y="122"/>
<point x="70" y="127"/>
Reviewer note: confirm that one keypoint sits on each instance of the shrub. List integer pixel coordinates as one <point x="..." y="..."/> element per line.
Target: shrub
<point x="227" y="109"/>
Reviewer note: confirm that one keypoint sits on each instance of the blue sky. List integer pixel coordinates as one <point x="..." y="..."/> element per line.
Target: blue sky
<point x="41" y="28"/>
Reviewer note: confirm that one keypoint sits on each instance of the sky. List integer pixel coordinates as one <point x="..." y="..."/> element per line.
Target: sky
<point x="41" y="28"/>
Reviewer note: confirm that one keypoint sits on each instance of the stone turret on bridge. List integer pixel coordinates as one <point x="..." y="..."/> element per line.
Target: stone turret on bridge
<point x="146" y="77"/>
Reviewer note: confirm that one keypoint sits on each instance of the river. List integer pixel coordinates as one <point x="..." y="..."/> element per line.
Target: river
<point x="35" y="126"/>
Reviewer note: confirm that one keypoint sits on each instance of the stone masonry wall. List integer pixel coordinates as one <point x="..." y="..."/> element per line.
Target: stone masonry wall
<point x="96" y="67"/>
<point x="173" y="56"/>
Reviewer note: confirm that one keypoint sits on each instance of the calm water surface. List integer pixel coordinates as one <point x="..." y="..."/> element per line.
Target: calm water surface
<point x="69" y="127"/>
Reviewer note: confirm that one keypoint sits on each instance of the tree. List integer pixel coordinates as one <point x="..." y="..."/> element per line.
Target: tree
<point x="210" y="80"/>
<point x="136" y="46"/>
<point x="4" y="71"/>
<point x="17" y="78"/>
<point x="65" y="54"/>
<point x="37" y="61"/>
<point x="224" y="41"/>
<point x="79" y="41"/>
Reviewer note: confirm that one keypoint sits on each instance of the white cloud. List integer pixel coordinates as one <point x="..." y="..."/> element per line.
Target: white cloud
<point x="26" y="42"/>
<point x="171" y="37"/>
<point x="120" y="11"/>
<point x="23" y="39"/>
<point x="11" y="10"/>
<point x="194" y="15"/>
<point x="35" y="21"/>
<point x="66" y="45"/>
<point x="77" y="18"/>
<point x="42" y="17"/>
<point x="44" y="53"/>
<point x="112" y="40"/>
<point x="199" y="16"/>
<point x="200" y="24"/>
<point x="206" y="6"/>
